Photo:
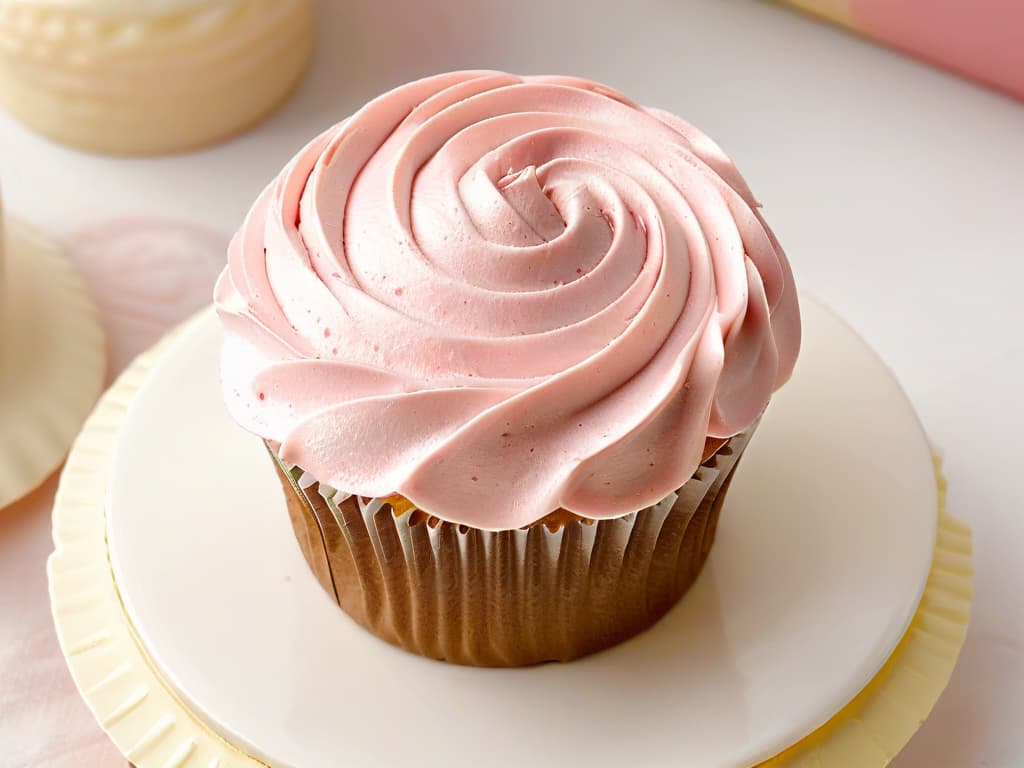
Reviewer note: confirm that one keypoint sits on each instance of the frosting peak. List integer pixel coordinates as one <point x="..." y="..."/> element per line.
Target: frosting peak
<point x="499" y="296"/>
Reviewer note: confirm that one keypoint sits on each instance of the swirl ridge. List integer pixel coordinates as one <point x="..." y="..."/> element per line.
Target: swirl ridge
<point x="500" y="296"/>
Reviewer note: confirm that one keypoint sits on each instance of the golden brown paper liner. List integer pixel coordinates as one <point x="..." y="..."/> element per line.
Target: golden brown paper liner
<point x="508" y="598"/>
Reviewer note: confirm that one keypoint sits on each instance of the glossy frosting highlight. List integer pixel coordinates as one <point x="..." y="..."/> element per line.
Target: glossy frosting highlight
<point x="499" y="296"/>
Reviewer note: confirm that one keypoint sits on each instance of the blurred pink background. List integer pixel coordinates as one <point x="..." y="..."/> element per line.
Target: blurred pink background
<point x="982" y="39"/>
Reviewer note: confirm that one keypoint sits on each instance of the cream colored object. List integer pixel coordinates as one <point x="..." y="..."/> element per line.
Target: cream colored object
<point x="151" y="78"/>
<point x="880" y="720"/>
<point x="52" y="358"/>
<point x="837" y="11"/>
<point x="153" y="728"/>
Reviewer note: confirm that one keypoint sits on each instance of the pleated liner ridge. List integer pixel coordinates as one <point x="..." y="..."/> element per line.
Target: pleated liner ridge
<point x="508" y="598"/>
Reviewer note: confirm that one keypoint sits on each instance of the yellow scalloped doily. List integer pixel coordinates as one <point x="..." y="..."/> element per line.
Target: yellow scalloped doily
<point x="152" y="727"/>
<point x="52" y="357"/>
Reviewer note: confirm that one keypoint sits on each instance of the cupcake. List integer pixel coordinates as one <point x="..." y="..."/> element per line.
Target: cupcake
<point x="149" y="76"/>
<point x="506" y="339"/>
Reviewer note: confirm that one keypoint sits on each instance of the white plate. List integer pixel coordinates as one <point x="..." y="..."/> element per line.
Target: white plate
<point x="821" y="557"/>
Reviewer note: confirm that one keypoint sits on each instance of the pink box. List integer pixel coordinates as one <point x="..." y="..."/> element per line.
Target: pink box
<point x="982" y="39"/>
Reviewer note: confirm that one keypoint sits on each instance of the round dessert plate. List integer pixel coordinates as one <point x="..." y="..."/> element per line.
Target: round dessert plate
<point x="52" y="358"/>
<point x="822" y="555"/>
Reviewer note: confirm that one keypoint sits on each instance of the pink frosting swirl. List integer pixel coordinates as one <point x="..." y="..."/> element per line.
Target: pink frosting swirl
<point x="500" y="296"/>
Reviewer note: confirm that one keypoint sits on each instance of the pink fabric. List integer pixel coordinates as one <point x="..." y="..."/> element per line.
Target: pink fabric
<point x="145" y="275"/>
<point x="43" y="721"/>
<point x="983" y="39"/>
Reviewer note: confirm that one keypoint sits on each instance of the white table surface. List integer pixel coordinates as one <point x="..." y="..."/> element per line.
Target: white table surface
<point x="896" y="189"/>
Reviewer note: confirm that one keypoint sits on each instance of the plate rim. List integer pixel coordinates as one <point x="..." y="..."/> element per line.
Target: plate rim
<point x="891" y="379"/>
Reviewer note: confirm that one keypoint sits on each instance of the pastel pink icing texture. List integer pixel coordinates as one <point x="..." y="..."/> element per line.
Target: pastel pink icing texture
<point x="499" y="296"/>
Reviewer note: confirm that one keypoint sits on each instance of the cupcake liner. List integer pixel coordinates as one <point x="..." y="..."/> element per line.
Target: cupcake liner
<point x="507" y="598"/>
